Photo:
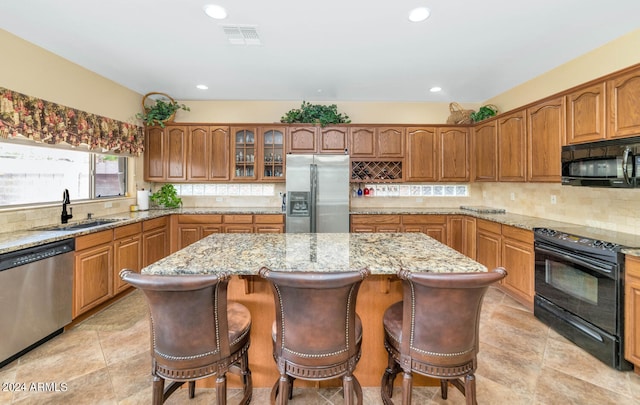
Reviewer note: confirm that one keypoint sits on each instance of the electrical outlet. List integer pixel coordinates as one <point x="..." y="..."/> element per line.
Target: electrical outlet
<point x="484" y="193"/>
<point x="218" y="199"/>
<point x="553" y="199"/>
<point x="513" y="196"/>
<point x="108" y="204"/>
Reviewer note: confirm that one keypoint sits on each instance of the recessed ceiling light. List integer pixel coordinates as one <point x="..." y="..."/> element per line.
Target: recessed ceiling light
<point x="419" y="14"/>
<point x="215" y="11"/>
<point x="202" y="87"/>
<point x="435" y="89"/>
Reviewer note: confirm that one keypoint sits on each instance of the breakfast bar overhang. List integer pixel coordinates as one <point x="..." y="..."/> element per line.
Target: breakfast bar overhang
<point x="383" y="254"/>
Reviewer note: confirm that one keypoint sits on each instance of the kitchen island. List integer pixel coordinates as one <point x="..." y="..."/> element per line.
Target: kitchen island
<point x="242" y="256"/>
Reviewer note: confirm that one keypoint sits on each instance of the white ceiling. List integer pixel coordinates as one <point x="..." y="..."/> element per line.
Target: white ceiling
<point x="343" y="50"/>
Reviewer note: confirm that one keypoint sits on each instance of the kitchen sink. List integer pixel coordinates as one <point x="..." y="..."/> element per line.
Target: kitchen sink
<point x="82" y="225"/>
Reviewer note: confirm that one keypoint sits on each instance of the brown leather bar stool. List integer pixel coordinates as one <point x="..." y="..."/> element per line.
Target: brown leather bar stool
<point x="317" y="334"/>
<point x="195" y="332"/>
<point x="434" y="330"/>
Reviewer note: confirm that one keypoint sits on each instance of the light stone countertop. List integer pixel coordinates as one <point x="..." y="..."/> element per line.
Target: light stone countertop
<point x="381" y="253"/>
<point x="11" y="241"/>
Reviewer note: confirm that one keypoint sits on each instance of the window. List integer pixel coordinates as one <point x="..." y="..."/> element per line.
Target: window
<point x="38" y="174"/>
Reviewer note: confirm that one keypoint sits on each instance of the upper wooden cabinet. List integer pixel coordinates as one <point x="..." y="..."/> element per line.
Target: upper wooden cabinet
<point x="244" y="153"/>
<point x="485" y="149"/>
<point x="334" y="140"/>
<point x="208" y="153"/>
<point x="271" y="165"/>
<point x="586" y="120"/>
<point x="454" y="154"/>
<point x="623" y="93"/>
<point x="165" y="153"/>
<point x="545" y="132"/>
<point x="302" y="139"/>
<point x="376" y="142"/>
<point x="512" y="147"/>
<point x="422" y="144"/>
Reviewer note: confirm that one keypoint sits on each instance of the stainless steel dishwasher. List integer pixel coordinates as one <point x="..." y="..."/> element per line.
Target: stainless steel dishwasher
<point x="36" y="286"/>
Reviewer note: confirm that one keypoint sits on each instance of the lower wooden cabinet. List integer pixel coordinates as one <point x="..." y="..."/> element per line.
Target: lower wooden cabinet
<point x="512" y="248"/>
<point x="93" y="271"/>
<point x="155" y="240"/>
<point x="190" y="228"/>
<point x="632" y="311"/>
<point x="127" y="253"/>
<point x="435" y="226"/>
<point x="461" y="234"/>
<point x="375" y="223"/>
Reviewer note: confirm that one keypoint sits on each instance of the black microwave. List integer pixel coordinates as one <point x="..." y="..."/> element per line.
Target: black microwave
<point x="614" y="163"/>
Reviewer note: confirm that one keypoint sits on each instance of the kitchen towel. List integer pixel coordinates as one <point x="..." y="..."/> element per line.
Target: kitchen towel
<point x="143" y="200"/>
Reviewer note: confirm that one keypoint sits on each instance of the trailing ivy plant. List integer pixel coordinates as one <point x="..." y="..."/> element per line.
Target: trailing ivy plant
<point x="160" y="112"/>
<point x="315" y="114"/>
<point x="484" y="112"/>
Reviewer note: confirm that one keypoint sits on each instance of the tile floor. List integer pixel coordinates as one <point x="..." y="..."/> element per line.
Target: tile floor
<point x="105" y="360"/>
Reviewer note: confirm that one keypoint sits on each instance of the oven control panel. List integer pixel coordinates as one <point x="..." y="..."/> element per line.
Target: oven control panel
<point x="582" y="241"/>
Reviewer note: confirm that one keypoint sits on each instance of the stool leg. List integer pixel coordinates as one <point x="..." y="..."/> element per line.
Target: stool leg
<point x="470" y="389"/>
<point x="407" y="386"/>
<point x="283" y="390"/>
<point x="192" y="389"/>
<point x="221" y="389"/>
<point x="158" y="390"/>
<point x="347" y="387"/>
<point x="444" y="388"/>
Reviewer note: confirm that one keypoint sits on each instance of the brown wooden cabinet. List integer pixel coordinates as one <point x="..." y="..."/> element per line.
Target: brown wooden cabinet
<point x="244" y="153"/>
<point x="518" y="260"/>
<point x="375" y="223"/>
<point x="512" y="140"/>
<point x="376" y="142"/>
<point x="485" y="151"/>
<point x="333" y="140"/>
<point x="154" y="154"/>
<point x="454" y="154"/>
<point x="461" y="234"/>
<point x="586" y="114"/>
<point x="271" y="166"/>
<point x="190" y="228"/>
<point x="268" y="223"/>
<point x="422" y="147"/>
<point x="488" y="243"/>
<point x="127" y="253"/>
<point x="208" y="153"/>
<point x="155" y="240"/>
<point x="437" y="154"/>
<point x="302" y="139"/>
<point x="93" y="271"/>
<point x="434" y="226"/>
<point x="632" y="311"/>
<point x="176" y="152"/>
<point x="623" y="94"/>
<point x="545" y="134"/>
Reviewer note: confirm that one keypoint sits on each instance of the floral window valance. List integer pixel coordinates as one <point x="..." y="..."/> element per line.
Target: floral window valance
<point x="26" y="117"/>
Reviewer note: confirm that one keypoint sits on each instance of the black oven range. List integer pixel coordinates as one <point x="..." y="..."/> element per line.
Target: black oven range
<point x="579" y="285"/>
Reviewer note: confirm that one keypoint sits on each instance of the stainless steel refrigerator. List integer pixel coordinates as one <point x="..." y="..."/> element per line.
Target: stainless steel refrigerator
<point x="317" y="193"/>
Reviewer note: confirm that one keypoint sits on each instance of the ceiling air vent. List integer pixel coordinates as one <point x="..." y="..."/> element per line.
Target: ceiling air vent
<point x="242" y="34"/>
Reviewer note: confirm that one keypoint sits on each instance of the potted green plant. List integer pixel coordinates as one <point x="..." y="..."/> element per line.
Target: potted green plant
<point x="484" y="112"/>
<point x="166" y="197"/>
<point x="162" y="110"/>
<point x="315" y="114"/>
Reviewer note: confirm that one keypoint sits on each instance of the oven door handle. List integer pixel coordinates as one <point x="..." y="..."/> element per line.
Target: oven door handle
<point x="625" y="160"/>
<point x="608" y="271"/>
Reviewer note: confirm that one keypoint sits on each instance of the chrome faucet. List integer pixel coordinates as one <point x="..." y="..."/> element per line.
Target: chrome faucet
<point x="64" y="217"/>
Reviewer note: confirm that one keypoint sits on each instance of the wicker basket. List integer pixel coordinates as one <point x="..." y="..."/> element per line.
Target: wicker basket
<point x="149" y="97"/>
<point x="459" y="115"/>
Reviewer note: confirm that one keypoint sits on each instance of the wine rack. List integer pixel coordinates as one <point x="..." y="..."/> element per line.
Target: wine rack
<point x="376" y="171"/>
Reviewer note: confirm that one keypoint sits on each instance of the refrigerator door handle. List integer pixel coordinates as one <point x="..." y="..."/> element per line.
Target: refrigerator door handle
<point x="314" y="193"/>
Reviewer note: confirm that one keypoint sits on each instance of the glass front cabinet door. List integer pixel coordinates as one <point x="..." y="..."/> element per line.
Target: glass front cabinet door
<point x="273" y="154"/>
<point x="245" y="153"/>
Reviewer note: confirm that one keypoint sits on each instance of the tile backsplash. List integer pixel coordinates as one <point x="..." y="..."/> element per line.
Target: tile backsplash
<point x="606" y="208"/>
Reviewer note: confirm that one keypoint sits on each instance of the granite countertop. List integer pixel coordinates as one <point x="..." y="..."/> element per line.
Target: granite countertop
<point x="381" y="253"/>
<point x="12" y="241"/>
